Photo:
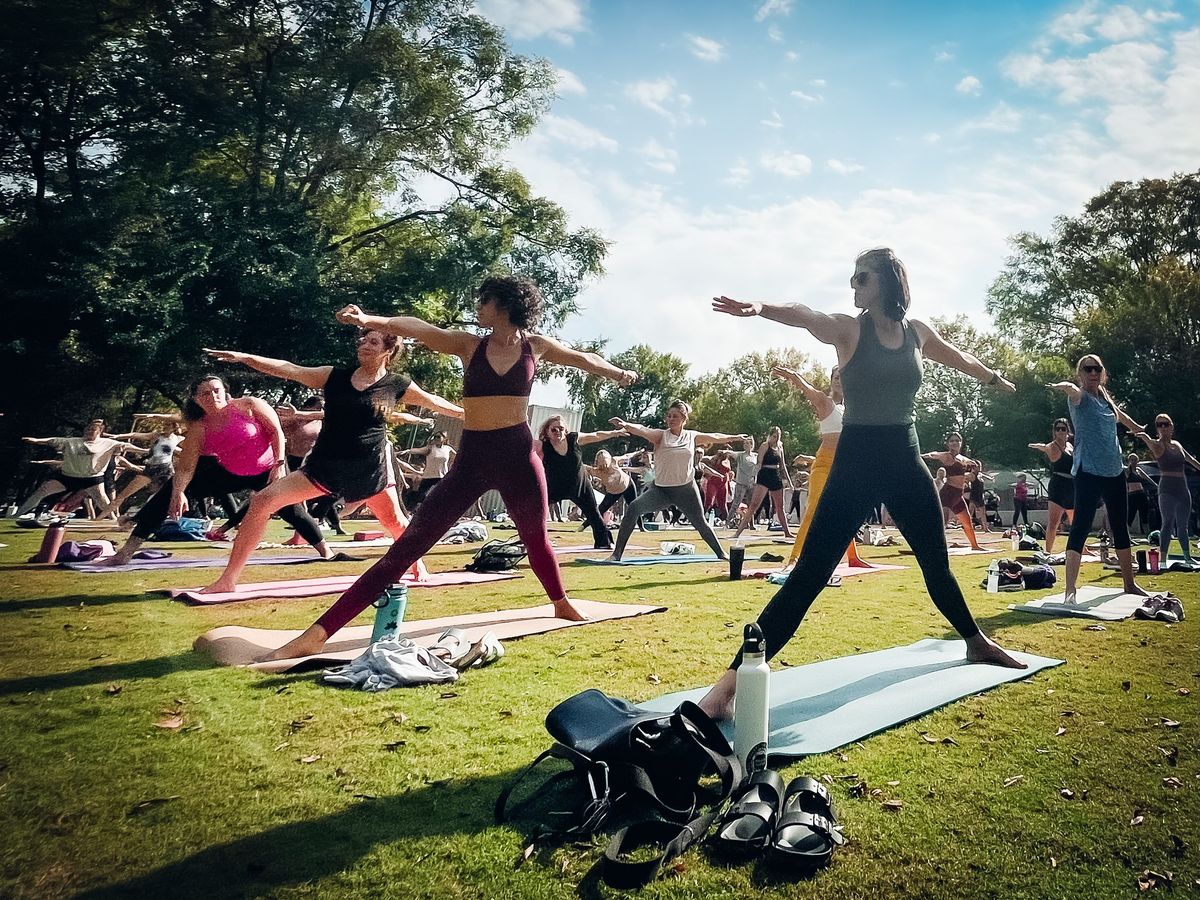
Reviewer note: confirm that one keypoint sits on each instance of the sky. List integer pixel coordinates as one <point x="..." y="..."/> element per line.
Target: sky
<point x="753" y="147"/>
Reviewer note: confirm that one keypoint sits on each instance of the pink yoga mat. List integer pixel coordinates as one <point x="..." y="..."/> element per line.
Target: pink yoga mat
<point x="232" y="645"/>
<point x="316" y="587"/>
<point x="843" y="570"/>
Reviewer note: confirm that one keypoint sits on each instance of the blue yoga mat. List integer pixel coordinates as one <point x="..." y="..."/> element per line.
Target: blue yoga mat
<point x="826" y="705"/>
<point x="652" y="560"/>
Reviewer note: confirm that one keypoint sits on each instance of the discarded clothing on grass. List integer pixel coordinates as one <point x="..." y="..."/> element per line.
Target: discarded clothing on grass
<point x="397" y="662"/>
<point x="465" y="533"/>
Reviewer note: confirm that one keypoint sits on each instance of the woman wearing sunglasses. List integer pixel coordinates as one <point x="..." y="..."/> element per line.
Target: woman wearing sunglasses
<point x="1174" y="497"/>
<point x="566" y="479"/>
<point x="1061" y="490"/>
<point x="878" y="458"/>
<point x="952" y="492"/>
<point x="1098" y="468"/>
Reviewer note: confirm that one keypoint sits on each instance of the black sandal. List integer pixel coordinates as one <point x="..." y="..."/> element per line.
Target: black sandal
<point x="747" y="825"/>
<point x="807" y="830"/>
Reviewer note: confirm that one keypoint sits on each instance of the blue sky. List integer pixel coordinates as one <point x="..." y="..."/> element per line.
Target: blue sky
<point x="752" y="148"/>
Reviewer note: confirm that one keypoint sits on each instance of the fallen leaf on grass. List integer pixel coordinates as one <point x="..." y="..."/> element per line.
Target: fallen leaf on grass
<point x="506" y="713"/>
<point x="151" y="803"/>
<point x="843" y="757"/>
<point x="1137" y="819"/>
<point x="421" y="729"/>
<point x="393" y="746"/>
<point x="1171" y="754"/>
<point x="1150" y="879"/>
<point x="1172" y="782"/>
<point x="308" y="759"/>
<point x="1095" y="628"/>
<point x="653" y="679"/>
<point x="1015" y="779"/>
<point x="1066" y="794"/>
<point x="949" y="740"/>
<point x="1169" y="723"/>
<point x="1053" y="863"/>
<point x="283" y="746"/>
<point x="1126" y="685"/>
<point x="396" y="718"/>
<point x="1067" y="712"/>
<point x="928" y="738"/>
<point x="170" y="723"/>
<point x="893" y="805"/>
<point x="525" y="854"/>
<point x="893" y="784"/>
<point x="296" y="724"/>
<point x="112" y="689"/>
<point x="1183" y="692"/>
<point x="1061" y="731"/>
<point x="447" y="695"/>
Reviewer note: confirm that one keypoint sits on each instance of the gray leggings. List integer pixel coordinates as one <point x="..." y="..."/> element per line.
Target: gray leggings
<point x="1175" y="504"/>
<point x="741" y="494"/>
<point x="654" y="498"/>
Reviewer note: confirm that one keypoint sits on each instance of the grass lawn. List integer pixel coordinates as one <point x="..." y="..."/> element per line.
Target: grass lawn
<point x="280" y="786"/>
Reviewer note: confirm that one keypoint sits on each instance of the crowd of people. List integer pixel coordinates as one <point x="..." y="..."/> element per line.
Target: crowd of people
<point x="334" y="451"/>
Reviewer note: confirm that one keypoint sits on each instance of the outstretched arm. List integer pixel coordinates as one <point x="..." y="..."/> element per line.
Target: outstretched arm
<point x="1125" y="419"/>
<point x="1188" y="458"/>
<point x="418" y="396"/>
<point x="1154" y="444"/>
<point x="933" y="347"/>
<point x="1070" y="388"/>
<point x="309" y="376"/>
<point x="653" y="435"/>
<point x="717" y="437"/>
<point x="1041" y="448"/>
<point x="592" y="437"/>
<point x="836" y="329"/>
<point x="552" y="351"/>
<point x="404" y="418"/>
<point x="443" y="340"/>
<point x="821" y="402"/>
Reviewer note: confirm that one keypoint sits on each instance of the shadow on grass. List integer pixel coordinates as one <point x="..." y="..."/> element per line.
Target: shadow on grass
<point x="134" y="669"/>
<point x="74" y="600"/>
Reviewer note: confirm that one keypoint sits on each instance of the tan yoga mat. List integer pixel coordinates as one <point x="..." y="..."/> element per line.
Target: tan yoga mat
<point x="316" y="587"/>
<point x="232" y="645"/>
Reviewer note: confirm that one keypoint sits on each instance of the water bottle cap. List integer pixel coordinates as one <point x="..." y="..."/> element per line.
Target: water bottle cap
<point x="753" y="640"/>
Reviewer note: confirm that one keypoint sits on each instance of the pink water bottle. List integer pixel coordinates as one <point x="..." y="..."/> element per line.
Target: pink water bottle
<point x="1153" y="560"/>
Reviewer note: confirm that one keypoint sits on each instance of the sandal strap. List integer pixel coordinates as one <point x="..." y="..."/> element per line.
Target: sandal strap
<point x="806" y="784"/>
<point x="750" y="808"/>
<point x="813" y="822"/>
<point x="763" y="778"/>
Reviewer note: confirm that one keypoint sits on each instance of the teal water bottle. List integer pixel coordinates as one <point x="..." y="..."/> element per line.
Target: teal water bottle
<point x="389" y="612"/>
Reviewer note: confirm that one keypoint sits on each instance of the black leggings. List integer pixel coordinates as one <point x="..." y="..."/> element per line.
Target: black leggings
<point x="1139" y="505"/>
<point x="212" y="479"/>
<point x="874" y="464"/>
<point x="628" y="495"/>
<point x="1020" y="510"/>
<point x="1090" y="491"/>
<point x="582" y="495"/>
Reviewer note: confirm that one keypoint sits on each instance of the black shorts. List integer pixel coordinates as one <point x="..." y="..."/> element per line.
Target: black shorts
<point x="769" y="478"/>
<point x="1062" y="491"/>
<point x="75" y="483"/>
<point x="353" y="479"/>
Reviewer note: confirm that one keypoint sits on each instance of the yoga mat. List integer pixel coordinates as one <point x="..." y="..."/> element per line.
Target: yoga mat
<point x="588" y="548"/>
<point x="843" y="570"/>
<point x="653" y="560"/>
<point x="207" y="563"/>
<point x="231" y="645"/>
<point x="967" y="551"/>
<point x="316" y="587"/>
<point x="826" y="705"/>
<point x="1091" y="602"/>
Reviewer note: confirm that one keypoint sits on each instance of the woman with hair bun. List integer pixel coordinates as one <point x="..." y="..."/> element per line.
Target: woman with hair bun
<point x="878" y="456"/>
<point x="1061" y="490"/>
<point x="1174" y="496"/>
<point x="674" y="474"/>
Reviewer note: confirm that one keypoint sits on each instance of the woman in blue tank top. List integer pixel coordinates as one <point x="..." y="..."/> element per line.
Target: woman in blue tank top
<point x="1098" y="469"/>
<point x="878" y="457"/>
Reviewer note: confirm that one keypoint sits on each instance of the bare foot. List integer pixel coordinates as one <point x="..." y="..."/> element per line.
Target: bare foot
<point x="564" y="609"/>
<point x="612" y="558"/>
<point x="115" y="560"/>
<point x="307" y="644"/>
<point x="294" y="541"/>
<point x="220" y="586"/>
<point x="1135" y="590"/>
<point x="719" y="701"/>
<point x="983" y="650"/>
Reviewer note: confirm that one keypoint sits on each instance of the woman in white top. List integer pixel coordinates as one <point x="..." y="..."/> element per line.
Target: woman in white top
<point x="616" y="483"/>
<point x="674" y="474"/>
<point x="438" y="456"/>
<point x="84" y="461"/>
<point x="828" y="409"/>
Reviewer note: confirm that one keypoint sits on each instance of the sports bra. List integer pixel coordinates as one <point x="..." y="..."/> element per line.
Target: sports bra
<point x="242" y="446"/>
<point x="955" y="468"/>
<point x="481" y="380"/>
<point x="1171" y="462"/>
<point x="771" y="458"/>
<point x="1062" y="465"/>
<point x="832" y="423"/>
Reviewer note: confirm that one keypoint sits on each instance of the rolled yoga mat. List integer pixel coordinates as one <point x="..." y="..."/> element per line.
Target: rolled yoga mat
<point x="232" y="645"/>
<point x="826" y="705"/>
<point x="657" y="560"/>
<point x="1110" y="604"/>
<point x="209" y="562"/>
<point x="316" y="587"/>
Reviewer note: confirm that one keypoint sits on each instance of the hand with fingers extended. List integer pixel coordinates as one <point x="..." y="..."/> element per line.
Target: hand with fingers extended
<point x="739" y="308"/>
<point x="178" y="506"/>
<point x="351" y="315"/>
<point x="226" y="356"/>
<point x="789" y="375"/>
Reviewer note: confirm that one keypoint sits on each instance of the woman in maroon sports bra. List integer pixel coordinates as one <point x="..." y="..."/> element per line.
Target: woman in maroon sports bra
<point x="496" y="450"/>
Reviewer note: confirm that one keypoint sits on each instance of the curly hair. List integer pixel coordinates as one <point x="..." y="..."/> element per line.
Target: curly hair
<point x="518" y="297"/>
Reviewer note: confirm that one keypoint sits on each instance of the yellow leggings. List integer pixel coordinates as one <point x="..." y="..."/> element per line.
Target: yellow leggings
<point x="817" y="476"/>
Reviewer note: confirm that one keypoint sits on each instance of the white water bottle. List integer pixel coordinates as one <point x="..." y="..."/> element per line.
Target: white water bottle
<point x="993" y="581"/>
<point x="752" y="706"/>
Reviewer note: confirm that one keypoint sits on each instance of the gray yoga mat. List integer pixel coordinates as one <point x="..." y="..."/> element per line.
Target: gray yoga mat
<point x="1092" y="601"/>
<point x="826" y="705"/>
<point x="652" y="560"/>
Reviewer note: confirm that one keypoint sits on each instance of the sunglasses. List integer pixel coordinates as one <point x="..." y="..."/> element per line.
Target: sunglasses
<point x="557" y="428"/>
<point x="1061" y="428"/>
<point x="1095" y="370"/>
<point x="1164" y="424"/>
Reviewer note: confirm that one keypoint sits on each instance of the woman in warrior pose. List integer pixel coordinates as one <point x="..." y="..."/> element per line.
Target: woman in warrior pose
<point x="232" y="444"/>
<point x="829" y="409"/>
<point x="1136" y="483"/>
<point x="566" y="478"/>
<point x="616" y="482"/>
<point x="1097" y="468"/>
<point x="1061" y="491"/>
<point x="1174" y="496"/>
<point x="351" y="458"/>
<point x="496" y="449"/>
<point x="674" y="474"/>
<point x="158" y="464"/>
<point x="84" y="462"/>
<point x="956" y="465"/>
<point x="878" y="457"/>
<point x="768" y="480"/>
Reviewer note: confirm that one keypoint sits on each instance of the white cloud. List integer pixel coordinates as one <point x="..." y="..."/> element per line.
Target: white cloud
<point x="575" y="134"/>
<point x="791" y="56"/>
<point x="662" y="96"/>
<point x="931" y="137"/>
<point x="739" y="174"/>
<point x="1072" y="27"/>
<point x="970" y="86"/>
<point x="567" y="82"/>
<point x="776" y="120"/>
<point x="1089" y="22"/>
<point x="818" y="82"/>
<point x="705" y="49"/>
<point x="843" y="168"/>
<point x="1001" y="118"/>
<point x="786" y="163"/>
<point x="658" y="157"/>
<point x="528" y="19"/>
<point x="807" y="98"/>
<point x="1117" y="74"/>
<point x="943" y="56"/>
<point x="775" y="33"/>
<point x="773" y="8"/>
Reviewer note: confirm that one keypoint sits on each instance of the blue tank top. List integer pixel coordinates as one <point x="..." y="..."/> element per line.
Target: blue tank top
<point x="1097" y="451"/>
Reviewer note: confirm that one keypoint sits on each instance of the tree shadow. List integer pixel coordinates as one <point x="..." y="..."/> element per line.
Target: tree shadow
<point x="74" y="600"/>
<point x="188" y="661"/>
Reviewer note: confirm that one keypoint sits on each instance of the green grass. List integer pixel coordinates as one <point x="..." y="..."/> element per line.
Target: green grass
<point x="399" y="802"/>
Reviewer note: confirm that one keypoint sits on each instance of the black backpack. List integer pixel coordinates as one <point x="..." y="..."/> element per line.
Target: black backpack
<point x="637" y="768"/>
<point x="497" y="556"/>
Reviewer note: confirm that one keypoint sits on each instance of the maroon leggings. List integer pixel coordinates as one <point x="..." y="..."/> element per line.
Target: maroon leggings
<point x="502" y="460"/>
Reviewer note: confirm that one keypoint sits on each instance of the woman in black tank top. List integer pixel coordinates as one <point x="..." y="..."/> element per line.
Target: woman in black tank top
<point x="1061" y="490"/>
<point x="566" y="479"/>
<point x="769" y="480"/>
<point x="878" y="457"/>
<point x="351" y="457"/>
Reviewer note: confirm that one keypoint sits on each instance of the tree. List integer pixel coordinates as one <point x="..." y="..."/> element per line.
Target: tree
<point x="1122" y="280"/>
<point x="662" y="379"/>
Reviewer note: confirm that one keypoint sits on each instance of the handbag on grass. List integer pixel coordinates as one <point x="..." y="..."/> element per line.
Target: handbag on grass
<point x="497" y="556"/>
<point x="638" y="767"/>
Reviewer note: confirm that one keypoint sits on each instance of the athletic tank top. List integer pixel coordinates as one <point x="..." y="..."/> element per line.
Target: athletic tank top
<point x="1063" y="465"/>
<point x="673" y="458"/>
<point x="562" y="470"/>
<point x="356" y="422"/>
<point x="614" y="480"/>
<point x="1171" y="462"/>
<point x="1096" y="449"/>
<point x="437" y="461"/>
<point x="771" y="457"/>
<point x="832" y="423"/>
<point x="879" y="383"/>
<point x="481" y="380"/>
<point x="241" y="446"/>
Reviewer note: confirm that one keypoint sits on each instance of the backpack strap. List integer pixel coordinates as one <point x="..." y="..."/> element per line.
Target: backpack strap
<point x="596" y="777"/>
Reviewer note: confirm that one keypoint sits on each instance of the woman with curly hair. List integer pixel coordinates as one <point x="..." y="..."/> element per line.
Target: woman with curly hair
<point x="496" y="450"/>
